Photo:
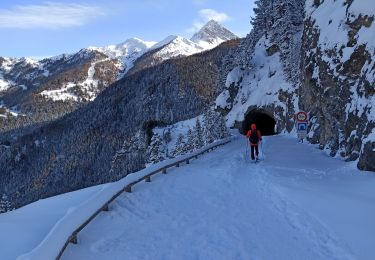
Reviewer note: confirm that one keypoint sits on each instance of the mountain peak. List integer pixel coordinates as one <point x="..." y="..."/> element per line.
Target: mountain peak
<point x="213" y="33"/>
<point x="211" y="23"/>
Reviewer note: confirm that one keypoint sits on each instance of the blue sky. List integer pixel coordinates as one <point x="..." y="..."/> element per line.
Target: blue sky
<point x="46" y="28"/>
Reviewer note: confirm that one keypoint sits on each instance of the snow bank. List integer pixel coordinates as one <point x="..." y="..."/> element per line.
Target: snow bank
<point x="4" y="85"/>
<point x="23" y="229"/>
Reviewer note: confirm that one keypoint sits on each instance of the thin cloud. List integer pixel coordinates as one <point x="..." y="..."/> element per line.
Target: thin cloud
<point x="206" y="15"/>
<point x="199" y="2"/>
<point x="210" y="14"/>
<point x="49" y="15"/>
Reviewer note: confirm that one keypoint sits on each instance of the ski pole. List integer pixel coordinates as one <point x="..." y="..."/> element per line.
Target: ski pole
<point x="246" y="150"/>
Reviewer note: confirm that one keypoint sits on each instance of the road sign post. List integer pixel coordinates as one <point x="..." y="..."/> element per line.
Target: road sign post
<point x="302" y="119"/>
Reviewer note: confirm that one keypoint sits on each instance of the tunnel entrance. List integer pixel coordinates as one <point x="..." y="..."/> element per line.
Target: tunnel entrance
<point x="265" y="122"/>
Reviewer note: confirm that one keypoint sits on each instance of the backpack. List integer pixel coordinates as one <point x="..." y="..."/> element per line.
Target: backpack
<point x="254" y="137"/>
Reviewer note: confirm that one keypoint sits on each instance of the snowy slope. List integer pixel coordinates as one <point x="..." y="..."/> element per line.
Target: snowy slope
<point x="297" y="205"/>
<point x="300" y="205"/>
<point x="89" y="87"/>
<point x="127" y="52"/>
<point x="6" y="66"/>
<point x="4" y="85"/>
<point x="23" y="229"/>
<point x="174" y="46"/>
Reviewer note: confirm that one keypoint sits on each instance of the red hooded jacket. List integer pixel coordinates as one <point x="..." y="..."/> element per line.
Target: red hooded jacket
<point x="254" y="128"/>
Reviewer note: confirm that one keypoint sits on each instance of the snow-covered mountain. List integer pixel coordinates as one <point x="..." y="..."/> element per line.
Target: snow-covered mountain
<point x="174" y="46"/>
<point x="141" y="54"/>
<point x="127" y="52"/>
<point x="66" y="81"/>
<point x="171" y="47"/>
<point x="212" y="34"/>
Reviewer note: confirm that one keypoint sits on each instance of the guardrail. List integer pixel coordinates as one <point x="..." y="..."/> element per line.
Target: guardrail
<point x="128" y="188"/>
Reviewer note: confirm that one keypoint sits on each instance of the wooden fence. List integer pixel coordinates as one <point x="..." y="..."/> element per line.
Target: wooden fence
<point x="128" y="188"/>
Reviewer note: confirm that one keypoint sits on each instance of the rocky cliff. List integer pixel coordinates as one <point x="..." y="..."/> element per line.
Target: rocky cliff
<point x="338" y="78"/>
<point x="317" y="56"/>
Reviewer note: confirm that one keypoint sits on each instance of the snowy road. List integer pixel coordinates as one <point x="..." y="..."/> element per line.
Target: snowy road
<point x="296" y="204"/>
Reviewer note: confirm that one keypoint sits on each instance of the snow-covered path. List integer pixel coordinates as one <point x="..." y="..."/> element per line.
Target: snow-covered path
<point x="296" y="204"/>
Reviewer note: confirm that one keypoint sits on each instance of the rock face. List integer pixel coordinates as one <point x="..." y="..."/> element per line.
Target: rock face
<point x="337" y="89"/>
<point x="76" y="150"/>
<point x="263" y="71"/>
<point x="317" y="56"/>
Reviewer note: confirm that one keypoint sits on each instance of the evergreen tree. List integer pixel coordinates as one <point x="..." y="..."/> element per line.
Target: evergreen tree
<point x="179" y="148"/>
<point x="222" y="128"/>
<point x="209" y="126"/>
<point x="189" y="146"/>
<point x="5" y="205"/>
<point x="154" y="152"/>
<point x="198" y="135"/>
<point x="131" y="155"/>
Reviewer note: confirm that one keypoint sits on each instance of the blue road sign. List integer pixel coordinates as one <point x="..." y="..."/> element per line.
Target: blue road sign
<point x="302" y="126"/>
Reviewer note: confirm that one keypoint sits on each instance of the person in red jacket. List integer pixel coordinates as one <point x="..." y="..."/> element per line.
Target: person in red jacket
<point x="254" y="137"/>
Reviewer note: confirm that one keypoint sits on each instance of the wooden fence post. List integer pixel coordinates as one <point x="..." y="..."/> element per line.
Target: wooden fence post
<point x="164" y="171"/>
<point x="148" y="179"/>
<point x="128" y="188"/>
<point x="105" y="208"/>
<point x="187" y="161"/>
<point x="73" y="239"/>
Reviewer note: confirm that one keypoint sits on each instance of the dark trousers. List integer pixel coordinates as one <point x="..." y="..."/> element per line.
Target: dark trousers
<point x="256" y="151"/>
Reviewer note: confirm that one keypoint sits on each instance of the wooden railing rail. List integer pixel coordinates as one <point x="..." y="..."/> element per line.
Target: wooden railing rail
<point x="128" y="188"/>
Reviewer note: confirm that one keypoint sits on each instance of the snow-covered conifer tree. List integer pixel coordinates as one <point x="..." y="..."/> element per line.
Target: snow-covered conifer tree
<point x="198" y="135"/>
<point x="209" y="126"/>
<point x="222" y="128"/>
<point x="189" y="145"/>
<point x="131" y="153"/>
<point x="154" y="151"/>
<point x="179" y="148"/>
<point x="5" y="204"/>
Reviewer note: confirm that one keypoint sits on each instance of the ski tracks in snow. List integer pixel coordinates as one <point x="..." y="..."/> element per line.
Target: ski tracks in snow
<point x="323" y="241"/>
<point x="218" y="207"/>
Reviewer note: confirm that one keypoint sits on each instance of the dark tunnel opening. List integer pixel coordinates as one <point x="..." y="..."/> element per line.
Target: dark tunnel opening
<point x="264" y="122"/>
